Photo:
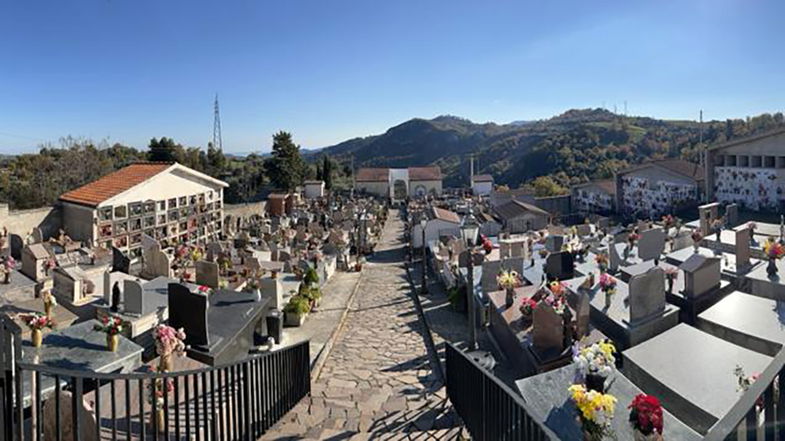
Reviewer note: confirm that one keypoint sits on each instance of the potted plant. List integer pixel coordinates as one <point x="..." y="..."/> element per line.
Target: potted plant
<point x="168" y="342"/>
<point x="608" y="286"/>
<point x="296" y="310"/>
<point x="311" y="276"/>
<point x="508" y="280"/>
<point x="774" y="251"/>
<point x="36" y="322"/>
<point x="671" y="274"/>
<point x="595" y="363"/>
<point x="646" y="418"/>
<point x="595" y="412"/>
<point x="112" y="325"/>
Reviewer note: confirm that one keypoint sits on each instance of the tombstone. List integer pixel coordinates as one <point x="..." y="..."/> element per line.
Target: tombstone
<point x="252" y="263"/>
<point x="614" y="260"/>
<point x="133" y="298"/>
<point x="490" y="270"/>
<point x="554" y="243"/>
<point x="651" y="244"/>
<point x="732" y="215"/>
<point x="742" y="249"/>
<point x="117" y="297"/>
<point x="214" y="249"/>
<point x="120" y="262"/>
<point x="681" y="241"/>
<point x="707" y="215"/>
<point x="582" y="311"/>
<point x="701" y="275"/>
<point x="283" y="256"/>
<point x="34" y="259"/>
<point x="207" y="273"/>
<point x="560" y="266"/>
<point x="603" y="223"/>
<point x="642" y="226"/>
<point x="188" y="310"/>
<point x="16" y="244"/>
<point x="330" y="250"/>
<point x="156" y="263"/>
<point x="38" y="236"/>
<point x="647" y="295"/>
<point x="547" y="328"/>
<point x="107" y="286"/>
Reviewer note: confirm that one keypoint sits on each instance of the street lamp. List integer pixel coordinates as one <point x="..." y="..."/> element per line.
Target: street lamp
<point x="423" y="223"/>
<point x="469" y="231"/>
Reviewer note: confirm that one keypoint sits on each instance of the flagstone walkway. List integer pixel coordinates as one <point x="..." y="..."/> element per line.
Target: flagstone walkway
<point x="376" y="382"/>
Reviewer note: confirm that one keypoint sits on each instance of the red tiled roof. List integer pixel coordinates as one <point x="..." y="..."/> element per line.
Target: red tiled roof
<point x="114" y="183"/>
<point x="373" y="175"/>
<point x="425" y="173"/>
<point x="483" y="178"/>
<point x="680" y="166"/>
<point x="446" y="215"/>
<point x="606" y="185"/>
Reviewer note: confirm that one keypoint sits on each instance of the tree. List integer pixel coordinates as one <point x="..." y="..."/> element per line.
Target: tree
<point x="286" y="167"/>
<point x="165" y="150"/>
<point x="544" y="186"/>
<point x="327" y="172"/>
<point x="216" y="161"/>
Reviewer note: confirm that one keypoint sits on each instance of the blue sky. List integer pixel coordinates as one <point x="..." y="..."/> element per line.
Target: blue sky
<point x="332" y="70"/>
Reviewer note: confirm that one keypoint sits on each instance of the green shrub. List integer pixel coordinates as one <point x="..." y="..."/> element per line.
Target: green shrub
<point x="311" y="276"/>
<point x="298" y="305"/>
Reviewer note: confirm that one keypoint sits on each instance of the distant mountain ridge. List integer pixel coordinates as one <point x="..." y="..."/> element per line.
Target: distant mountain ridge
<point x="573" y="147"/>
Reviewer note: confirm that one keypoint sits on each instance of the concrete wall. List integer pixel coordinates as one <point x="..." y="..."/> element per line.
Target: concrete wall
<point x="20" y="222"/>
<point x="433" y="230"/>
<point x="78" y="222"/>
<point x="555" y="205"/>
<point x="482" y="188"/>
<point x="244" y="210"/>
<point x="381" y="189"/>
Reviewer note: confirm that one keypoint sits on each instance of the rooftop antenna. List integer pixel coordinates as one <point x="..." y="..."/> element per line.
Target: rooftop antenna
<point x="217" y="141"/>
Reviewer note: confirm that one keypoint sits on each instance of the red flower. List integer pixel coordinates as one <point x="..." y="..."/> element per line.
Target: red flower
<point x="646" y="414"/>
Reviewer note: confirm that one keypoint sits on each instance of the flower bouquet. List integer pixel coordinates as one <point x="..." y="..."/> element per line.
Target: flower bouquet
<point x="595" y="411"/>
<point x="602" y="262"/>
<point x="36" y="322"/>
<point x="646" y="417"/>
<point x="487" y="245"/>
<point x="745" y="381"/>
<point x="632" y="238"/>
<point x="557" y="303"/>
<point x="168" y="342"/>
<point x="508" y="280"/>
<point x="557" y="288"/>
<point x="608" y="286"/>
<point x="204" y="289"/>
<point x="697" y="237"/>
<point x="112" y="326"/>
<point x="596" y="363"/>
<point x="774" y="251"/>
<point x="527" y="307"/>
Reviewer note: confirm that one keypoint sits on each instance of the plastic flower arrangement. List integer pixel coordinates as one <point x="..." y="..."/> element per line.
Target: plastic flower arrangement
<point x="111" y="325"/>
<point x="602" y="261"/>
<point x="196" y="254"/>
<point x="596" y="359"/>
<point x="37" y="321"/>
<point x="697" y="236"/>
<point x="773" y="249"/>
<point x="557" y="303"/>
<point x="607" y="283"/>
<point x="10" y="263"/>
<point x="204" y="289"/>
<point x="527" y="306"/>
<point x="169" y="340"/>
<point x="633" y="237"/>
<point x="646" y="414"/>
<point x="595" y="410"/>
<point x="156" y="391"/>
<point x="557" y="288"/>
<point x="507" y="279"/>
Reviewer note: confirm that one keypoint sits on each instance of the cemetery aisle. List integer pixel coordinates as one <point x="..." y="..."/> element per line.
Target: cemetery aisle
<point x="377" y="382"/>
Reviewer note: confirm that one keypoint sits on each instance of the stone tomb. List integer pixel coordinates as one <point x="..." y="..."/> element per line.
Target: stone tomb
<point x="133" y="298"/>
<point x="34" y="258"/>
<point x="647" y="296"/>
<point x="707" y="213"/>
<point x="700" y="388"/>
<point x="651" y="244"/>
<point x="560" y="266"/>
<point x="207" y="273"/>
<point x="702" y="275"/>
<point x="732" y="215"/>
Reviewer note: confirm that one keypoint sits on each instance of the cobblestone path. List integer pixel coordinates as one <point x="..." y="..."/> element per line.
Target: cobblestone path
<point x="377" y="381"/>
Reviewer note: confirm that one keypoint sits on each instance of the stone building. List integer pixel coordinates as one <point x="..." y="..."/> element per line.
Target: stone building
<point x="656" y="188"/>
<point x="398" y="183"/>
<point x="482" y="185"/>
<point x="166" y="201"/>
<point x="520" y="217"/>
<point x="595" y="197"/>
<point x="749" y="171"/>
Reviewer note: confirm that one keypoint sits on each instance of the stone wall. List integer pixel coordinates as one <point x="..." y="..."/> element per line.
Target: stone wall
<point x="20" y="222"/>
<point x="244" y="210"/>
<point x="555" y="205"/>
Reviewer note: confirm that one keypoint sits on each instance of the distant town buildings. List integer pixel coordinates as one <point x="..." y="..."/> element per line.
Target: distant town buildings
<point x="749" y="171"/>
<point x="399" y="183"/>
<point x="166" y="201"/>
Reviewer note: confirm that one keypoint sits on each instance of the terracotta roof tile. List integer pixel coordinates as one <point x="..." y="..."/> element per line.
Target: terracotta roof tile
<point x="483" y="178"/>
<point x="373" y="175"/>
<point x="446" y="215"/>
<point x="114" y="183"/>
<point x="425" y="173"/>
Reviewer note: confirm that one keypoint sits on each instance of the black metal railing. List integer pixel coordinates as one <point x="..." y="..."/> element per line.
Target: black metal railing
<point x="489" y="409"/>
<point x="238" y="401"/>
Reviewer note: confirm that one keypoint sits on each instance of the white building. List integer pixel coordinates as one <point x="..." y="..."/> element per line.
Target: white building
<point x="398" y="183"/>
<point x="482" y="185"/>
<point x="749" y="171"/>
<point x="167" y="201"/>
<point x="594" y="197"/>
<point x="440" y="222"/>
<point x="657" y="188"/>
<point x="313" y="189"/>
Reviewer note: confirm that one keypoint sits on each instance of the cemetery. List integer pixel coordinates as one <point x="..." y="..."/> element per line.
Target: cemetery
<point x="216" y="295"/>
<point x="692" y="312"/>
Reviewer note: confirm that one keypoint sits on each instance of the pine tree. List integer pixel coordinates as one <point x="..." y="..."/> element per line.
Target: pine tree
<point x="327" y="172"/>
<point x="286" y="167"/>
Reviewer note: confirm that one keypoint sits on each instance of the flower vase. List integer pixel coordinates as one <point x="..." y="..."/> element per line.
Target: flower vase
<point x="595" y="382"/>
<point x="637" y="435"/>
<point x="37" y="337"/>
<point x="509" y="297"/>
<point x="608" y="298"/>
<point x="695" y="247"/>
<point x="165" y="364"/>
<point x="112" y="340"/>
<point x="48" y="309"/>
<point x="772" y="269"/>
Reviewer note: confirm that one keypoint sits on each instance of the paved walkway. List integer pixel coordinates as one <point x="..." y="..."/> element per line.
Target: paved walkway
<point x="376" y="382"/>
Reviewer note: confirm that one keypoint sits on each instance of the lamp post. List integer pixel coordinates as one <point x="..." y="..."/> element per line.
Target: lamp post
<point x="469" y="230"/>
<point x="423" y="223"/>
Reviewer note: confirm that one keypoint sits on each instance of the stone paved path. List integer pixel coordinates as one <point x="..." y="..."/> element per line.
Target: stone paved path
<point x="377" y="381"/>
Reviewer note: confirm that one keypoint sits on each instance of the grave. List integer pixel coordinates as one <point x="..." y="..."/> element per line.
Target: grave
<point x="560" y="266"/>
<point x="647" y="296"/>
<point x="207" y="273"/>
<point x="34" y="260"/>
<point x="133" y="298"/>
<point x="699" y="389"/>
<point x="120" y="262"/>
<point x="554" y="243"/>
<point x="651" y="244"/>
<point x="702" y="275"/>
<point x="732" y="215"/>
<point x="547" y="349"/>
<point x="188" y="310"/>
